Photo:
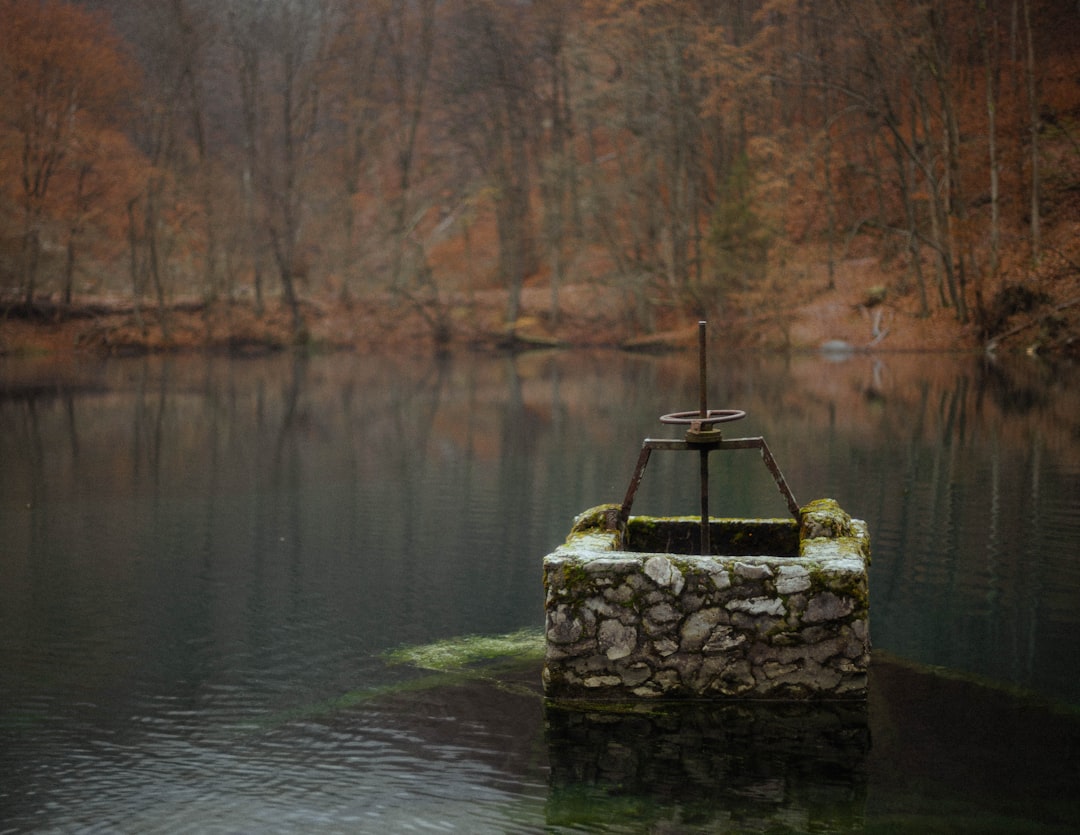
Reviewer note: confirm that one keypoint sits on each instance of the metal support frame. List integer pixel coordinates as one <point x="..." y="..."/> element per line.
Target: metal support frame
<point x="704" y="449"/>
<point x="703" y="436"/>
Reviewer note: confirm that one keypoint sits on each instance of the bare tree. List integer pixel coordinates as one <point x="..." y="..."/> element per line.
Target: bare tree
<point x="408" y="32"/>
<point x="280" y="49"/>
<point x="558" y="178"/>
<point x="358" y="51"/>
<point x="491" y="97"/>
<point x="1031" y="87"/>
<point x="245" y="23"/>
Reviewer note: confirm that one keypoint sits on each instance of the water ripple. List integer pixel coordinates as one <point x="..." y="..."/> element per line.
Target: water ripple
<point x="305" y="776"/>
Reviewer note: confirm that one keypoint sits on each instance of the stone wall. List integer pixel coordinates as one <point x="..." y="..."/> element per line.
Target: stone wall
<point x="622" y="624"/>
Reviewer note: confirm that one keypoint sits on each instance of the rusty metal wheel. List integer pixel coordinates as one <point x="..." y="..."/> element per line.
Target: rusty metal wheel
<point x="711" y="416"/>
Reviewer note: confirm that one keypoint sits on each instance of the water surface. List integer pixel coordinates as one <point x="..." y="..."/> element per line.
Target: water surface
<point x="204" y="561"/>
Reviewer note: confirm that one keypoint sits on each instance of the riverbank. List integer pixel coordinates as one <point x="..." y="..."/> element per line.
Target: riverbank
<point x="858" y="308"/>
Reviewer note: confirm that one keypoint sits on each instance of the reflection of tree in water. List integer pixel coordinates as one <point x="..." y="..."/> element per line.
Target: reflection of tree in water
<point x="381" y="460"/>
<point x="205" y="531"/>
<point x="965" y="529"/>
<point x="1012" y="393"/>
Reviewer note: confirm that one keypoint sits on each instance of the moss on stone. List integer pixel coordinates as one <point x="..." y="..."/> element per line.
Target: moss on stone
<point x="603" y="517"/>
<point x="728" y="537"/>
<point x="574" y="577"/>
<point x="824" y="518"/>
<point x="850" y="585"/>
<point x="454" y="654"/>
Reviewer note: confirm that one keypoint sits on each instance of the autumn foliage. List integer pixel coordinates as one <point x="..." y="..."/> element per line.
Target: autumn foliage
<point x="689" y="153"/>
<point x="63" y="85"/>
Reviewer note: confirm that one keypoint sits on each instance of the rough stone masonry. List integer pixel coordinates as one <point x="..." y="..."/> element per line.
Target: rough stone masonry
<point x="627" y="624"/>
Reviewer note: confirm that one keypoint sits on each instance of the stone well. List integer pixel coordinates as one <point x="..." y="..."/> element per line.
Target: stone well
<point x="779" y="610"/>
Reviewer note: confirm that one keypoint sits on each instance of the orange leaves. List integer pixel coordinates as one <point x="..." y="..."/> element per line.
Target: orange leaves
<point x="60" y="63"/>
<point x="63" y="78"/>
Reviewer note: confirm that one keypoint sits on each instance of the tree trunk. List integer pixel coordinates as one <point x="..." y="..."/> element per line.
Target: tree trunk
<point x="987" y="16"/>
<point x="1033" y="131"/>
<point x="133" y="265"/>
<point x="31" y="257"/>
<point x="152" y="226"/>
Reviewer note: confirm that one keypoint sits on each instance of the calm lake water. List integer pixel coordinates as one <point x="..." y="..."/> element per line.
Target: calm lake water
<point x="204" y="563"/>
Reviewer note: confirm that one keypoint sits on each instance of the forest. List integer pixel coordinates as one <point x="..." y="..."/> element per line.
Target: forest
<point x="597" y="171"/>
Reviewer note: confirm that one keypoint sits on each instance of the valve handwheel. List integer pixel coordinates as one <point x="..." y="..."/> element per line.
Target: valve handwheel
<point x="711" y="416"/>
<point x="701" y="426"/>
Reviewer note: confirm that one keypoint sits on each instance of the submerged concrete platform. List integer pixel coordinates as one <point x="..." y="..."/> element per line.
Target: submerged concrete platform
<point x="778" y="610"/>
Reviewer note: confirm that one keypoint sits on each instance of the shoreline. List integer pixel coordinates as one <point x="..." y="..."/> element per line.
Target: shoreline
<point x="833" y="323"/>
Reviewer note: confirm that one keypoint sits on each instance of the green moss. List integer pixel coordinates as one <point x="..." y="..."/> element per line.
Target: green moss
<point x="729" y="537"/>
<point x="854" y="586"/>
<point x="356" y="698"/>
<point x="491" y="660"/>
<point x="824" y="517"/>
<point x="574" y="576"/>
<point x="458" y="653"/>
<point x="599" y="518"/>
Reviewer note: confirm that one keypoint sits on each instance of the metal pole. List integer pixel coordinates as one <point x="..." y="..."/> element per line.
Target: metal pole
<point x="706" y="538"/>
<point x="703" y="386"/>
